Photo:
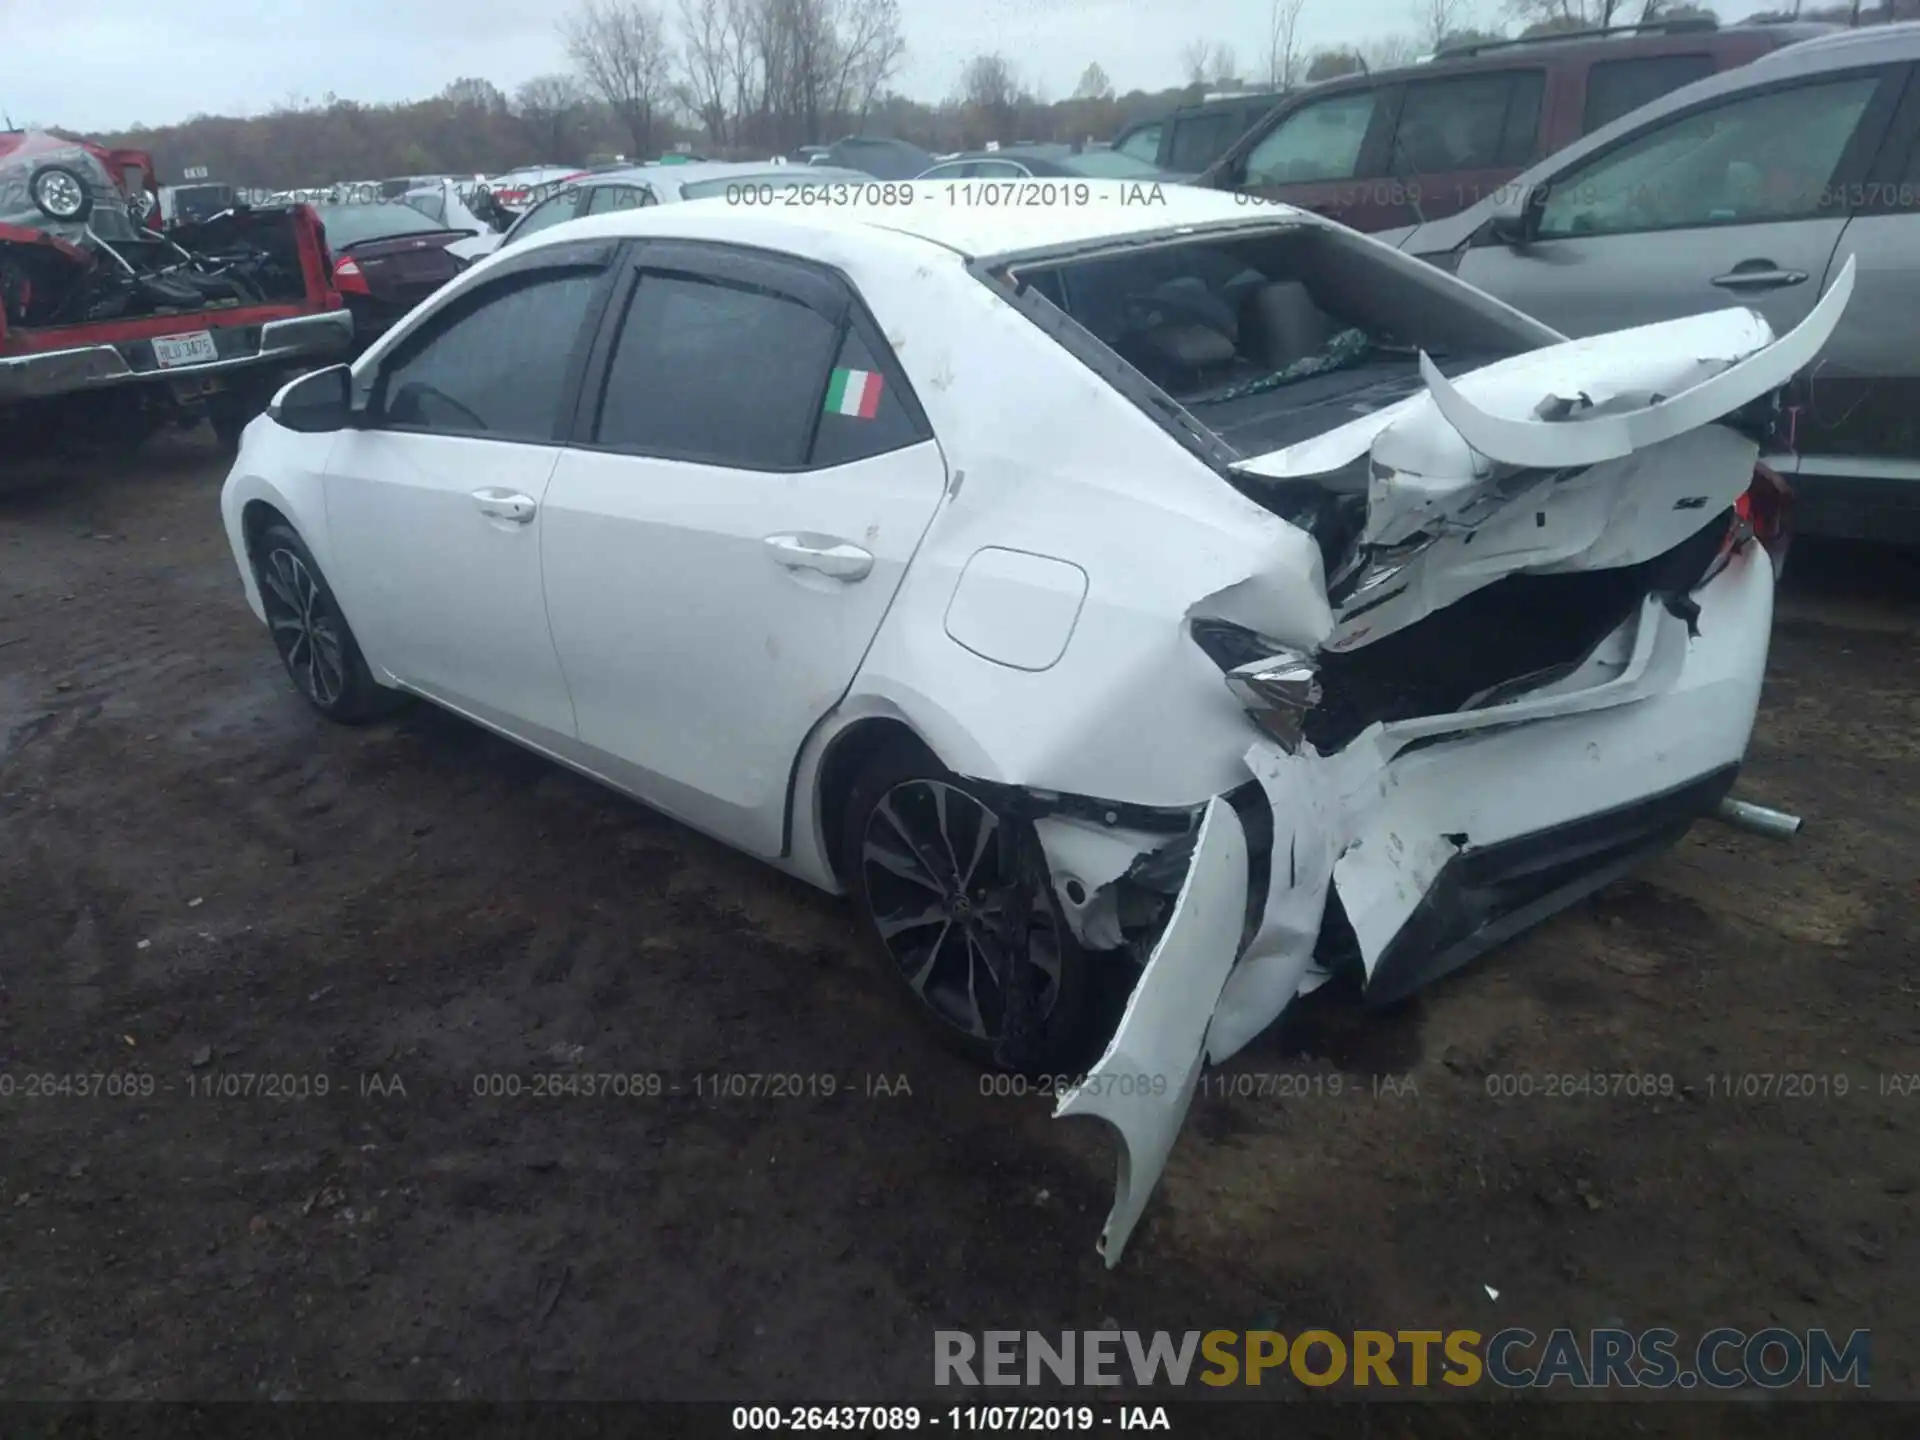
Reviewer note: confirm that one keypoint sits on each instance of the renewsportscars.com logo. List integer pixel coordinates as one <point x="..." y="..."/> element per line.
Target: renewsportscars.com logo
<point x="1513" y="1359"/>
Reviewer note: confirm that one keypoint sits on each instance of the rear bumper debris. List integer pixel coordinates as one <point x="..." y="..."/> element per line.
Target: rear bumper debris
<point x="1439" y="837"/>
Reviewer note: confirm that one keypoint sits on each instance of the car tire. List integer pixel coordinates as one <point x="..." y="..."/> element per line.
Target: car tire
<point x="905" y="804"/>
<point x="331" y="675"/>
<point x="74" y="178"/>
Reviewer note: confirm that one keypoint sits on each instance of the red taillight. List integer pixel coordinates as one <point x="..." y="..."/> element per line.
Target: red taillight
<point x="1768" y="508"/>
<point x="347" y="278"/>
<point x="1764" y="513"/>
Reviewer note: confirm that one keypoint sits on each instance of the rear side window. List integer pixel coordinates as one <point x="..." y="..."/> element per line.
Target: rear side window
<point x="1143" y="144"/>
<point x="863" y="414"/>
<point x="499" y="369"/>
<point x="603" y="199"/>
<point x="1471" y="122"/>
<point x="1615" y="87"/>
<point x="1199" y="140"/>
<point x="716" y="372"/>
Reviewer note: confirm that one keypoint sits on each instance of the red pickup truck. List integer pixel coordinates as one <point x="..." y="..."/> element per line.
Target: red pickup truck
<point x="111" y="329"/>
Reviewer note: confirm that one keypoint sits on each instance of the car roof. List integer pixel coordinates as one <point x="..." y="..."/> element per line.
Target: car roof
<point x="1656" y="37"/>
<point x="1835" y="49"/>
<point x="695" y="172"/>
<point x="946" y="216"/>
<point x="1262" y="100"/>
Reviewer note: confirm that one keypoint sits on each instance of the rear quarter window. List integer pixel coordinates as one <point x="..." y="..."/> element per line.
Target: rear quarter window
<point x="1619" y="87"/>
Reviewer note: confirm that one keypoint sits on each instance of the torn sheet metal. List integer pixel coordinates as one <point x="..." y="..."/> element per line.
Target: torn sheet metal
<point x="1144" y="1083"/>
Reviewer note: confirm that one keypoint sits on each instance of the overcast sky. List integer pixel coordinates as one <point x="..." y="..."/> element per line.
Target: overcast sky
<point x="107" y="64"/>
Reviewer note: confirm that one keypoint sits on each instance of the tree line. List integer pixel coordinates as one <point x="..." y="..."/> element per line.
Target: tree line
<point x="747" y="79"/>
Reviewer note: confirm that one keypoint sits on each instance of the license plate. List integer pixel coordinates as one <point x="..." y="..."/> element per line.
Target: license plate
<point x="193" y="349"/>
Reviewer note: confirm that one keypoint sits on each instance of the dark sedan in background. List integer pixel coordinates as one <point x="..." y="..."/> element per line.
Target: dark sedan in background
<point x="387" y="258"/>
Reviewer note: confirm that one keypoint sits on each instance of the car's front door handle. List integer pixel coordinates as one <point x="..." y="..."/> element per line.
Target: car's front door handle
<point x="1758" y="275"/>
<point x="506" y="505"/>
<point x="824" y="553"/>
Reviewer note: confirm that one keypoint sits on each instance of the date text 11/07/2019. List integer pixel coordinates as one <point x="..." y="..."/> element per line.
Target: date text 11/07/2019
<point x="982" y="194"/>
<point x="961" y="1419"/>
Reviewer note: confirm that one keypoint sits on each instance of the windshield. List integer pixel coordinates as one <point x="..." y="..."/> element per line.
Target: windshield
<point x="350" y="224"/>
<point x="1109" y="165"/>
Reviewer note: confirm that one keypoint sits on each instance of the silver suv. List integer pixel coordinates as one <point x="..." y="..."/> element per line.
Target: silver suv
<point x="1752" y="187"/>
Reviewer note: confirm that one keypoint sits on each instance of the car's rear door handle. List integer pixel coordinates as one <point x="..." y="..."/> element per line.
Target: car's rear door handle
<point x="506" y="505"/>
<point x="1758" y="275"/>
<point x="824" y="553"/>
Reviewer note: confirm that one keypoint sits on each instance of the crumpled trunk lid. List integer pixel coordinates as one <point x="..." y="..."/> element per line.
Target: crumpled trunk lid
<point x="1588" y="454"/>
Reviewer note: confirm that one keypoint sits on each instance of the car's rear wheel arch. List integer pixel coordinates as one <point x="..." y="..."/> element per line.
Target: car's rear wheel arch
<point x="847" y="756"/>
<point x="255" y="517"/>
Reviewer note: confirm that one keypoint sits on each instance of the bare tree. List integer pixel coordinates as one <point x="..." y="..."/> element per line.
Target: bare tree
<point x="620" y="47"/>
<point x="548" y="108"/>
<point x="1388" y="51"/>
<point x="1283" y="43"/>
<point x="1437" y="19"/>
<point x="867" y="47"/>
<point x="1326" y="64"/>
<point x="1094" y="84"/>
<point x="991" y="91"/>
<point x="1545" y="17"/>
<point x="1193" y="61"/>
<point x="702" y="84"/>
<point x="1224" y="66"/>
<point x="469" y="92"/>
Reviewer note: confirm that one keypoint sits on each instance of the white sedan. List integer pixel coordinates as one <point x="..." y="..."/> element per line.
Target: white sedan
<point x="1136" y="596"/>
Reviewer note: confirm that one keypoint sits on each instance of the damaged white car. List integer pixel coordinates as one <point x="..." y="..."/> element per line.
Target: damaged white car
<point x="1141" y="606"/>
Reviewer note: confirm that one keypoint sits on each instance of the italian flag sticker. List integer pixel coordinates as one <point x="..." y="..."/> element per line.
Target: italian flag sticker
<point x="855" y="392"/>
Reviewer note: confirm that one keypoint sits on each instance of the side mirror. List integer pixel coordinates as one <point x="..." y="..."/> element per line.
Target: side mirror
<point x="316" y="403"/>
<point x="1515" y="219"/>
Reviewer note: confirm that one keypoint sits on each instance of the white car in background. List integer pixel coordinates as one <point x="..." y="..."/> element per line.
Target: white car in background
<point x="1170" y="600"/>
<point x="744" y="184"/>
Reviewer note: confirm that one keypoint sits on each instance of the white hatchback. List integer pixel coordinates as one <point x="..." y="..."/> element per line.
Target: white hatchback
<point x="1122" y="594"/>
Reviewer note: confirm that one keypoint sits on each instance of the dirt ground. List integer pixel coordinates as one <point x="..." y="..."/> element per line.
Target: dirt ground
<point x="201" y="882"/>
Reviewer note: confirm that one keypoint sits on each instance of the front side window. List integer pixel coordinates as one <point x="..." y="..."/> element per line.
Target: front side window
<point x="1472" y="122"/>
<point x="1321" y="141"/>
<point x="722" y="373"/>
<point x="1768" y="156"/>
<point x="499" y="368"/>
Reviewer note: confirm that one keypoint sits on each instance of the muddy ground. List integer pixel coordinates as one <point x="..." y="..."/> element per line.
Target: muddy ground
<point x="201" y="881"/>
